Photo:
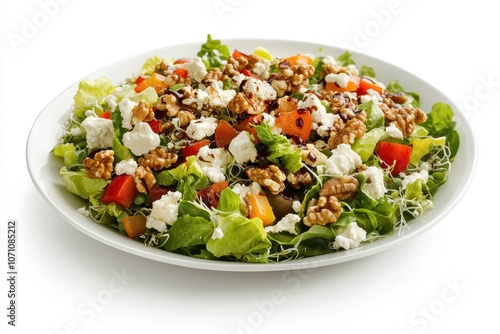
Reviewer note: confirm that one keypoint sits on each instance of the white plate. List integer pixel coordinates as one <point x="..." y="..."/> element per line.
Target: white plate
<point x="44" y="169"/>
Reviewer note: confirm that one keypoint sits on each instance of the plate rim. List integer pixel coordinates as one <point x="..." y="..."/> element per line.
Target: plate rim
<point x="136" y="248"/>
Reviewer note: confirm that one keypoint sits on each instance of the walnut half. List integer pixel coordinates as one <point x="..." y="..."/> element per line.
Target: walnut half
<point x="100" y="166"/>
<point x="322" y="211"/>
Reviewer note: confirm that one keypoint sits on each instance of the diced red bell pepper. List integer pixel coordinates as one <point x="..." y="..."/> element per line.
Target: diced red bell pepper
<point x="224" y="134"/>
<point x="105" y="114"/>
<point x="155" y="125"/>
<point x="295" y="123"/>
<point x="121" y="190"/>
<point x="394" y="154"/>
<point x="246" y="72"/>
<point x="139" y="79"/>
<point x="211" y="194"/>
<point x="194" y="148"/>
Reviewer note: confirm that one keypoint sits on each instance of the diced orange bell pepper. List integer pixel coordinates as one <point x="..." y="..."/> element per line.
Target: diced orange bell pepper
<point x="260" y="208"/>
<point x="365" y="84"/>
<point x="295" y="123"/>
<point x="298" y="60"/>
<point x="134" y="226"/>
<point x="157" y="81"/>
<point x="352" y="85"/>
<point x="224" y="134"/>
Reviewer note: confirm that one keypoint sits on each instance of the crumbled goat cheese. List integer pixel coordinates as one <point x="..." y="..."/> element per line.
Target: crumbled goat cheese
<point x="201" y="128"/>
<point x="242" y="148"/>
<point x="393" y="131"/>
<point x="343" y="161"/>
<point x="262" y="67"/>
<point x="271" y="121"/>
<point x="164" y="211"/>
<point x="141" y="139"/>
<point x="83" y="211"/>
<point x="322" y="120"/>
<point x="213" y="162"/>
<point x="197" y="97"/>
<point x="217" y="234"/>
<point x="372" y="95"/>
<point x="127" y="166"/>
<point x="196" y="69"/>
<point x="126" y="107"/>
<point x="350" y="238"/>
<point x="286" y="223"/>
<point x="111" y="102"/>
<point x="374" y="185"/>
<point x="341" y="79"/>
<point x="413" y="177"/>
<point x="242" y="190"/>
<point x="260" y="89"/>
<point x="218" y="97"/>
<point x="100" y="132"/>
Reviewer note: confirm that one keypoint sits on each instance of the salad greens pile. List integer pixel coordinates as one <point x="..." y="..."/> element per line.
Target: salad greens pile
<point x="246" y="156"/>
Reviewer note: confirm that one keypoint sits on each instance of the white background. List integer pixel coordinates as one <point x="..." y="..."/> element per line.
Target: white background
<point x="442" y="281"/>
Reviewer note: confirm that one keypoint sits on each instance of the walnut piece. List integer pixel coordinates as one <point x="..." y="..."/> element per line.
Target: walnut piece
<point x="300" y="179"/>
<point x="142" y="112"/>
<point x="322" y="211"/>
<point x="157" y="159"/>
<point x="403" y="117"/>
<point x="342" y="187"/>
<point x="336" y="69"/>
<point x="292" y="78"/>
<point x="185" y="117"/>
<point x="144" y="179"/>
<point x="234" y="66"/>
<point x="341" y="103"/>
<point x="242" y="103"/>
<point x="100" y="166"/>
<point x="215" y="74"/>
<point x="270" y="177"/>
<point x="346" y="133"/>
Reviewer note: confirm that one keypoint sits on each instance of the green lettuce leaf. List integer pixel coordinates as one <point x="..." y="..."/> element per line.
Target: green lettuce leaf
<point x="149" y="65"/>
<point x="345" y="59"/>
<point x="365" y="146"/>
<point x="172" y="176"/>
<point x="188" y="231"/>
<point x="241" y="236"/>
<point x="282" y="151"/>
<point x="67" y="152"/>
<point x="80" y="184"/>
<point x="375" y="116"/>
<point x="422" y="146"/>
<point x="89" y="92"/>
<point x="213" y="52"/>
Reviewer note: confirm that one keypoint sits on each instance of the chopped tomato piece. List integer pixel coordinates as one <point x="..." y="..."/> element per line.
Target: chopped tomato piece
<point x="295" y="123"/>
<point x="211" y="194"/>
<point x="106" y="114"/>
<point x="260" y="208"/>
<point x="246" y="125"/>
<point x="194" y="148"/>
<point x="183" y="61"/>
<point x="365" y="84"/>
<point x="155" y="125"/>
<point x="134" y="226"/>
<point x="394" y="155"/>
<point x="121" y="190"/>
<point x="237" y="54"/>
<point x="139" y="79"/>
<point x="182" y="72"/>
<point x="157" y="81"/>
<point x="224" y="134"/>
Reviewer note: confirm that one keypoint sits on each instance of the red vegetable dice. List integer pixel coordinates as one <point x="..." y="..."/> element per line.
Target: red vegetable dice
<point x="121" y="190"/>
<point x="394" y="154"/>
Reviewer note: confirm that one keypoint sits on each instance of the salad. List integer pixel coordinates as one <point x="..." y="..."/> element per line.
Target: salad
<point x="242" y="155"/>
